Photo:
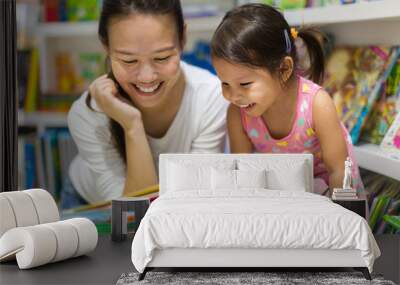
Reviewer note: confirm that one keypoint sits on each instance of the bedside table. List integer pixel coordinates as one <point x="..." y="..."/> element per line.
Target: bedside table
<point x="357" y="206"/>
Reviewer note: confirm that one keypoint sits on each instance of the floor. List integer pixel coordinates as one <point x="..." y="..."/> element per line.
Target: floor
<point x="102" y="266"/>
<point x="106" y="264"/>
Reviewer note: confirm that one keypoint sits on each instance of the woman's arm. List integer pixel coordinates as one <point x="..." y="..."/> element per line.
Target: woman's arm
<point x="140" y="169"/>
<point x="238" y="139"/>
<point x="141" y="172"/>
<point x="329" y="132"/>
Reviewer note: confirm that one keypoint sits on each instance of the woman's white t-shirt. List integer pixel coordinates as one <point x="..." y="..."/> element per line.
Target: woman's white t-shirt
<point x="98" y="172"/>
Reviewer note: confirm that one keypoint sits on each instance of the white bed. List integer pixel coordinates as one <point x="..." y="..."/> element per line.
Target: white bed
<point x="202" y="220"/>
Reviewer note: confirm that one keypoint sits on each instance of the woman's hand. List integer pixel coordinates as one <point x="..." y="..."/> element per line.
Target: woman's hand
<point x="105" y="92"/>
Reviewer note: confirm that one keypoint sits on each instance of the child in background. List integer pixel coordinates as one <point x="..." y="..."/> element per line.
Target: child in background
<point x="273" y="108"/>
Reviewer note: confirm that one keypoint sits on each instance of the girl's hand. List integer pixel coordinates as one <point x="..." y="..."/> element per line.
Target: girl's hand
<point x="105" y="92"/>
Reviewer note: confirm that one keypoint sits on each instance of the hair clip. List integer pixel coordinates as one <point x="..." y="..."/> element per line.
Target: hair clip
<point x="287" y="42"/>
<point x="294" y="33"/>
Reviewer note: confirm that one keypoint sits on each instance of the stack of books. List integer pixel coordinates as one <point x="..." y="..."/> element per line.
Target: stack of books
<point x="344" y="194"/>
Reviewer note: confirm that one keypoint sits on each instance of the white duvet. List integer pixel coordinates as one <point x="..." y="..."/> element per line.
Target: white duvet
<point x="251" y="218"/>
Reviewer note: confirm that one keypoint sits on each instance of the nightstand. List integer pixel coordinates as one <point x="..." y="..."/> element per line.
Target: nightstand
<point x="358" y="206"/>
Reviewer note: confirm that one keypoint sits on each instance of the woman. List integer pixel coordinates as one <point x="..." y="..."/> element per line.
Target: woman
<point x="150" y="103"/>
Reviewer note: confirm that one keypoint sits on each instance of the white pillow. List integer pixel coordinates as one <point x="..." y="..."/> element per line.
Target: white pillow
<point x="237" y="179"/>
<point x="183" y="178"/>
<point x="280" y="174"/>
<point x="223" y="179"/>
<point x="283" y="178"/>
<point x="194" y="175"/>
<point x="251" y="178"/>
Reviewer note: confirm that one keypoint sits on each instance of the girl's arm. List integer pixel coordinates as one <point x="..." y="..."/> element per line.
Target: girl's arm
<point x="329" y="132"/>
<point x="238" y="140"/>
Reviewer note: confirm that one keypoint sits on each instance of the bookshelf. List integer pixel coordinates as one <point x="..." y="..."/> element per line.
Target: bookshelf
<point x="371" y="157"/>
<point x="337" y="14"/>
<point x="63" y="29"/>
<point x="359" y="24"/>
<point x="52" y="37"/>
<point x="42" y="120"/>
<point x="353" y="24"/>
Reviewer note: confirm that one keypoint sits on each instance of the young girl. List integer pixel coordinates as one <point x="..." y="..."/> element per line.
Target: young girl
<point x="149" y="103"/>
<point x="273" y="109"/>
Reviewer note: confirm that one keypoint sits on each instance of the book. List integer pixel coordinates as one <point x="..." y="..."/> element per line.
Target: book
<point x="101" y="218"/>
<point x="385" y="109"/>
<point x="150" y="192"/>
<point x="30" y="166"/>
<point x="50" y="10"/>
<point x="21" y="163"/>
<point x="67" y="151"/>
<point x="373" y="95"/>
<point x="340" y="190"/>
<point x="345" y="194"/>
<point x="23" y="62"/>
<point x="354" y="76"/>
<point x="391" y="141"/>
<point x="32" y="90"/>
<point x="334" y="197"/>
<point x="40" y="167"/>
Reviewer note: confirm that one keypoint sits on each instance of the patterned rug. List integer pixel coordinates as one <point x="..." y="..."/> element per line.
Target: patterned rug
<point x="231" y="278"/>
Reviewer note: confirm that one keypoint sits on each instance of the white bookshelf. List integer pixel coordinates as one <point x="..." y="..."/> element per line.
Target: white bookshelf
<point x="66" y="29"/>
<point x="373" y="158"/>
<point x="42" y="120"/>
<point x="382" y="10"/>
<point x="64" y="36"/>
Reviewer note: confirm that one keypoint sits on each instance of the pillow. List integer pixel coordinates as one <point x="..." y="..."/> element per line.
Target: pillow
<point x="285" y="178"/>
<point x="223" y="179"/>
<point x="287" y="174"/>
<point x="183" y="178"/>
<point x="251" y="178"/>
<point x="184" y="174"/>
<point x="236" y="179"/>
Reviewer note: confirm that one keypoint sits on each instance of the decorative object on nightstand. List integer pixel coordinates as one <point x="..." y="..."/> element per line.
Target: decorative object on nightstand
<point x="120" y="209"/>
<point x="347" y="196"/>
<point x="346" y="192"/>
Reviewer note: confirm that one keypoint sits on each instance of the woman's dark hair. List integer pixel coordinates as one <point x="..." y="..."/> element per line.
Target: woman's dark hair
<point x="119" y="8"/>
<point x="258" y="35"/>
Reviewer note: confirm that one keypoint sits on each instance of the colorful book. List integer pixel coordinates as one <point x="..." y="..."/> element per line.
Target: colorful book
<point x="33" y="79"/>
<point x="391" y="141"/>
<point x="354" y="77"/>
<point x="385" y="109"/>
<point x="149" y="192"/>
<point x="30" y="167"/>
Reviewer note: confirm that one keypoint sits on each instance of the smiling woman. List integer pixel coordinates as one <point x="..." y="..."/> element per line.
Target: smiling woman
<point x="149" y="103"/>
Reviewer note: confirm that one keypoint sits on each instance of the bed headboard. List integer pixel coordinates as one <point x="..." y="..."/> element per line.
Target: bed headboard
<point x="211" y="159"/>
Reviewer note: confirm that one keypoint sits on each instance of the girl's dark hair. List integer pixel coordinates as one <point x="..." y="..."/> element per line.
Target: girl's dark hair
<point x="258" y="35"/>
<point x="119" y="8"/>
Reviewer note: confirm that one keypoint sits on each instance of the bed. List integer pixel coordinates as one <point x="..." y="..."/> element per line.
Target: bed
<point x="246" y="211"/>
